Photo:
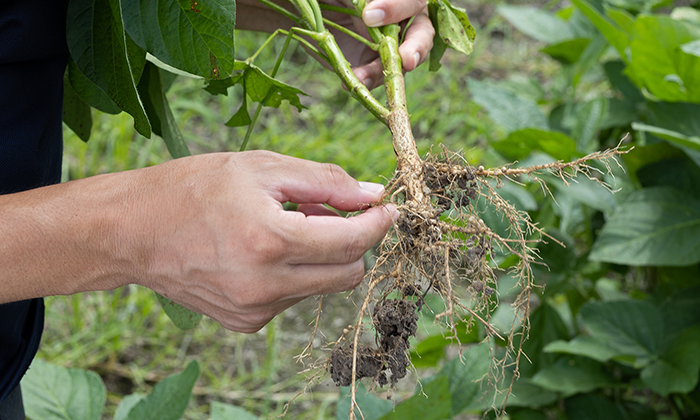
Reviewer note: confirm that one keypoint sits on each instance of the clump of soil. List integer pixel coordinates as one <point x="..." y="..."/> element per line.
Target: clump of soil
<point x="395" y="321"/>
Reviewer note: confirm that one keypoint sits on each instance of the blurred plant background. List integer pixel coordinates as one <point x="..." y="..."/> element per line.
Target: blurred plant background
<point x="615" y="327"/>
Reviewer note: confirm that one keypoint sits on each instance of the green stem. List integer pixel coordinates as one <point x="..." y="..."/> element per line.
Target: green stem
<point x="327" y="44"/>
<point x="354" y="35"/>
<point x="269" y="92"/>
<point x="339" y="9"/>
<point x="393" y="68"/>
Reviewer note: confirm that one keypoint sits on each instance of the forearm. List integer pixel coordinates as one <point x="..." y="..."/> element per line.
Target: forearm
<point x="64" y="239"/>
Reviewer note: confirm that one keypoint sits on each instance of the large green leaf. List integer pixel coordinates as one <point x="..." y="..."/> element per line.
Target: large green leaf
<point x="589" y="117"/>
<point x="192" y="36"/>
<point x="371" y="407"/>
<point x="573" y="375"/>
<point x="97" y="43"/>
<point x="679" y="172"/>
<point x="582" y="345"/>
<point x="658" y="62"/>
<point x="156" y="105"/>
<point x="682" y="309"/>
<point x="56" y="393"/>
<point x="126" y="404"/>
<point x="538" y="23"/>
<point x="654" y="226"/>
<point x="452" y="26"/>
<point x="433" y="402"/>
<point x="592" y="407"/>
<point x="615" y="36"/>
<point x="169" y="398"/>
<point x="465" y="377"/>
<point x="546" y="326"/>
<point x="568" y="51"/>
<point x="677" y="368"/>
<point x="629" y="327"/>
<point x="221" y="411"/>
<point x="89" y="92"/>
<point x="519" y="144"/>
<point x="76" y="113"/>
<point x="507" y="109"/>
<point x="430" y="350"/>
<point x="182" y="317"/>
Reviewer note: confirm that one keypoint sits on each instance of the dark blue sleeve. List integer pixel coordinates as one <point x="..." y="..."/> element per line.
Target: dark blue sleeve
<point x="33" y="56"/>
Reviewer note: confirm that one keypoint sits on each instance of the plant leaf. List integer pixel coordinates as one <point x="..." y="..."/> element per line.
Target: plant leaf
<point x="678" y="367"/>
<point x="452" y="26"/>
<point x="89" y="92"/>
<point x="537" y="23"/>
<point x="654" y="226"/>
<point x="582" y="345"/>
<point x="221" y="411"/>
<point x="158" y="110"/>
<point x="126" y="405"/>
<point x="169" y="398"/>
<point x="97" y="43"/>
<point x="659" y="65"/>
<point x="76" y="113"/>
<point x="433" y="403"/>
<point x="519" y="144"/>
<point x="568" y="51"/>
<point x="629" y="327"/>
<point x="573" y="375"/>
<point x="505" y="108"/>
<point x="182" y="317"/>
<point x="430" y="350"/>
<point x="592" y="407"/>
<point x="192" y="36"/>
<point x="464" y="376"/>
<point x="589" y="117"/>
<point x="56" y="393"/>
<point x="372" y="407"/>
<point x="615" y="36"/>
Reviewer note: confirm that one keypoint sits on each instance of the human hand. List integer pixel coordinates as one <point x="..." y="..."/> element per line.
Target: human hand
<point x="219" y="241"/>
<point x="414" y="50"/>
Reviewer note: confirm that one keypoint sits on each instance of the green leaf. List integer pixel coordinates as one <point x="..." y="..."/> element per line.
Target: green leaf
<point x="589" y="117"/>
<point x="258" y="84"/>
<point x="573" y="375"/>
<point x="620" y="82"/>
<point x="158" y="110"/>
<point x="615" y="36"/>
<point x="465" y="375"/>
<point x="169" y="398"/>
<point x="76" y="113"/>
<point x="591" y="407"/>
<point x="182" y="317"/>
<point x="430" y="350"/>
<point x="97" y="43"/>
<point x="692" y="142"/>
<point x="433" y="403"/>
<point x="582" y="345"/>
<point x="539" y="24"/>
<point x="682" y="309"/>
<point x="568" y="51"/>
<point x="505" y="108"/>
<point x="677" y="369"/>
<point x="221" y="411"/>
<point x="680" y="173"/>
<point x="658" y="63"/>
<point x="452" y="26"/>
<point x="654" y="226"/>
<point x="630" y="327"/>
<point x="192" y="36"/>
<point x="126" y="405"/>
<point x="519" y="144"/>
<point x="372" y="407"/>
<point x="89" y="92"/>
<point x="56" y="393"/>
<point x="546" y="326"/>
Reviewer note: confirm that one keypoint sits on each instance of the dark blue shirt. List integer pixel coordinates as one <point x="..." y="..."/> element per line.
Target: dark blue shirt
<point x="33" y="56"/>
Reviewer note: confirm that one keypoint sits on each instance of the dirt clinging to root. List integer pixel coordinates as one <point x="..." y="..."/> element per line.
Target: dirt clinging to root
<point x="395" y="321"/>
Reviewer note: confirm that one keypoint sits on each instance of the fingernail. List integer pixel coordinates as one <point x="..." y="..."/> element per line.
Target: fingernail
<point x="367" y="82"/>
<point x="374" y="17"/>
<point x="372" y="187"/>
<point x="416" y="59"/>
<point x="392" y="211"/>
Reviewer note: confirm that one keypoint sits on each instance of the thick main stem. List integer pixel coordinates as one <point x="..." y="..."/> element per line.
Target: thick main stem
<point x="409" y="162"/>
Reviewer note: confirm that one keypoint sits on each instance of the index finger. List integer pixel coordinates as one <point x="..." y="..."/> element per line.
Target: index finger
<point x="384" y="12"/>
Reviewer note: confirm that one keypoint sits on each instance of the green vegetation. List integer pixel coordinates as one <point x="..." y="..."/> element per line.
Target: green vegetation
<point x="614" y="331"/>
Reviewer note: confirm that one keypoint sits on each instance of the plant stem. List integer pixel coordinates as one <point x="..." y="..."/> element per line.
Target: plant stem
<point x="352" y="34"/>
<point x="327" y="44"/>
<point x="339" y="9"/>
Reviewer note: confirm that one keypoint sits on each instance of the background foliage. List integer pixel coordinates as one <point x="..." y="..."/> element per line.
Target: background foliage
<point x="615" y="329"/>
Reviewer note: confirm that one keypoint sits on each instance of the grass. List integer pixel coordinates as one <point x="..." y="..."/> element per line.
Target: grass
<point x="123" y="334"/>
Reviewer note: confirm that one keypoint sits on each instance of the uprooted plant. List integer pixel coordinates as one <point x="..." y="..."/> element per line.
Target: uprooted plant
<point x="438" y="245"/>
